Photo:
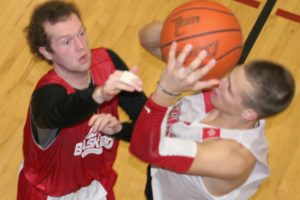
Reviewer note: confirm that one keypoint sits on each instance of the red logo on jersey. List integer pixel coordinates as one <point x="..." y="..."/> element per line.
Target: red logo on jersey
<point x="211" y="133"/>
<point x="173" y="117"/>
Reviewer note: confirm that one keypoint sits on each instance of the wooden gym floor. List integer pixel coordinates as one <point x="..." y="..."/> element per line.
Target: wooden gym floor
<point x="114" y="24"/>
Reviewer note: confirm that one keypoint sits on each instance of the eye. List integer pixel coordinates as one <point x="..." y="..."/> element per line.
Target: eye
<point x="66" y="41"/>
<point x="82" y="33"/>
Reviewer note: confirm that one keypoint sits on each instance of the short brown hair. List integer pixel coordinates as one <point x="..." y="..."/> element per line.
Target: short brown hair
<point x="274" y="87"/>
<point x="51" y="11"/>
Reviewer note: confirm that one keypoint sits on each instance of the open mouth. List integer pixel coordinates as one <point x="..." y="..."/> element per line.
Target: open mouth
<point x="83" y="59"/>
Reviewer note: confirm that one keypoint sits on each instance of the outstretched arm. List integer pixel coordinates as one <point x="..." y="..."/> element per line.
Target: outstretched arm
<point x="175" y="79"/>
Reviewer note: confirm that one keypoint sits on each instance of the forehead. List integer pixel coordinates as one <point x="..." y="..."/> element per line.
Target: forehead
<point x="67" y="26"/>
<point x="239" y="82"/>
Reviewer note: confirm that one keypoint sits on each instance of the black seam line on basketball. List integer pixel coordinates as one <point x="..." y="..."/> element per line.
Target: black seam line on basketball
<point x="201" y="34"/>
<point x="258" y="26"/>
<point x="227" y="53"/>
<point x="199" y="8"/>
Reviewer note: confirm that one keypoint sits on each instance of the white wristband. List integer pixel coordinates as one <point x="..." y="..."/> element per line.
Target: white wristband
<point x="177" y="147"/>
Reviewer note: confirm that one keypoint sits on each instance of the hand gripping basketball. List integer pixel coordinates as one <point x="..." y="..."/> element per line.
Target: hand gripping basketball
<point x="207" y="25"/>
<point x="179" y="77"/>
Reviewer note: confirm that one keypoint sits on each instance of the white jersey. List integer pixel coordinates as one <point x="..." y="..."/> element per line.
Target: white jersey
<point x="183" y="120"/>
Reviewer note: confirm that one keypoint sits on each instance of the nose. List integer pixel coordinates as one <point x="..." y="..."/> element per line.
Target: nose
<point x="79" y="43"/>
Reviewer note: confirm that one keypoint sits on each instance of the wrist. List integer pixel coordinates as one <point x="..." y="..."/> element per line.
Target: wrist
<point x="98" y="95"/>
<point x="161" y="98"/>
<point x="166" y="91"/>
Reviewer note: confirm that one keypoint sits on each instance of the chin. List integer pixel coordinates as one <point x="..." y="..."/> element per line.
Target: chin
<point x="85" y="66"/>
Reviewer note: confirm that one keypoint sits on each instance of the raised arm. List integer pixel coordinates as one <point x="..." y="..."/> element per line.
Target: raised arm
<point x="224" y="161"/>
<point x="175" y="80"/>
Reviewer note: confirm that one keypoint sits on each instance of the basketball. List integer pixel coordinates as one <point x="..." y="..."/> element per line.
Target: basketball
<point x="207" y="25"/>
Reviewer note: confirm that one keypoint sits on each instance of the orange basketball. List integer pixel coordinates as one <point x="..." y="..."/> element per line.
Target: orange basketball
<point x="207" y="25"/>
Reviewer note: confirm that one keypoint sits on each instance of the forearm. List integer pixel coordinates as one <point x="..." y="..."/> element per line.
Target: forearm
<point x="150" y="144"/>
<point x="147" y="125"/>
<point x="126" y="132"/>
<point x="132" y="104"/>
<point x="52" y="107"/>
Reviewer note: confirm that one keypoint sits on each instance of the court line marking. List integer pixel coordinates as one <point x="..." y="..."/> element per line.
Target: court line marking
<point x="252" y="3"/>
<point x="288" y="15"/>
<point x="255" y="31"/>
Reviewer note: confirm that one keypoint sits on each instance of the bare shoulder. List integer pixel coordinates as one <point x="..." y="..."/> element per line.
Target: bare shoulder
<point x="242" y="157"/>
<point x="236" y="164"/>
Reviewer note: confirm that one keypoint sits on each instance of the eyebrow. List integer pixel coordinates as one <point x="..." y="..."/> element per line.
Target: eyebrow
<point x="68" y="35"/>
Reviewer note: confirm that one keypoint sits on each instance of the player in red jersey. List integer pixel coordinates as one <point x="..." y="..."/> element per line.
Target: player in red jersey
<point x="72" y="126"/>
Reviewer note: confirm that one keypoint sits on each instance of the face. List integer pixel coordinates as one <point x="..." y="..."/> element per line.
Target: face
<point x="71" y="53"/>
<point x="227" y="97"/>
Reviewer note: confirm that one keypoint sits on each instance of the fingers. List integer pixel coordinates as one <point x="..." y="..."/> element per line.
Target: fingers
<point x="200" y="85"/>
<point x="99" y="121"/>
<point x="179" y="78"/>
<point x="134" y="69"/>
<point x="206" y="68"/>
<point x="114" y="126"/>
<point x="172" y="51"/>
<point x="197" y="73"/>
<point x="105" y="123"/>
<point x="198" y="60"/>
<point x="121" y="81"/>
<point x="196" y="64"/>
<point x="183" y="55"/>
<point x="131" y="80"/>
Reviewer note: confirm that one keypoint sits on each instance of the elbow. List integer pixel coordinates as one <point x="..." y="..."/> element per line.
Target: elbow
<point x="133" y="149"/>
<point x="142" y="150"/>
<point x="242" y="164"/>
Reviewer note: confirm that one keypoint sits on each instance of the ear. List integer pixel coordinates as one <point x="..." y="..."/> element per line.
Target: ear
<point x="249" y="114"/>
<point x="45" y="53"/>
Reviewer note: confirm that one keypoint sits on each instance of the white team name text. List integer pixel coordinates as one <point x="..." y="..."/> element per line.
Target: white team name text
<point x="93" y="144"/>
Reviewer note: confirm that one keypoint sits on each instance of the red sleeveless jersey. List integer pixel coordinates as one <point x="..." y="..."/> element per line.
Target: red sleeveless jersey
<point x="77" y="156"/>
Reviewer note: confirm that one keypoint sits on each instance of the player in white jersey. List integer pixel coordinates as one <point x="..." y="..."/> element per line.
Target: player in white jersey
<point x="210" y="145"/>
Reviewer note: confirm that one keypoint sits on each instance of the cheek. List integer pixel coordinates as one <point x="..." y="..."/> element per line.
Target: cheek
<point x="223" y="94"/>
<point x="224" y="100"/>
<point x="65" y="54"/>
<point x="86" y="43"/>
<point x="63" y="59"/>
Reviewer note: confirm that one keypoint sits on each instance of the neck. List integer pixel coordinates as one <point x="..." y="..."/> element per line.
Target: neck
<point x="78" y="80"/>
<point x="223" y="120"/>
